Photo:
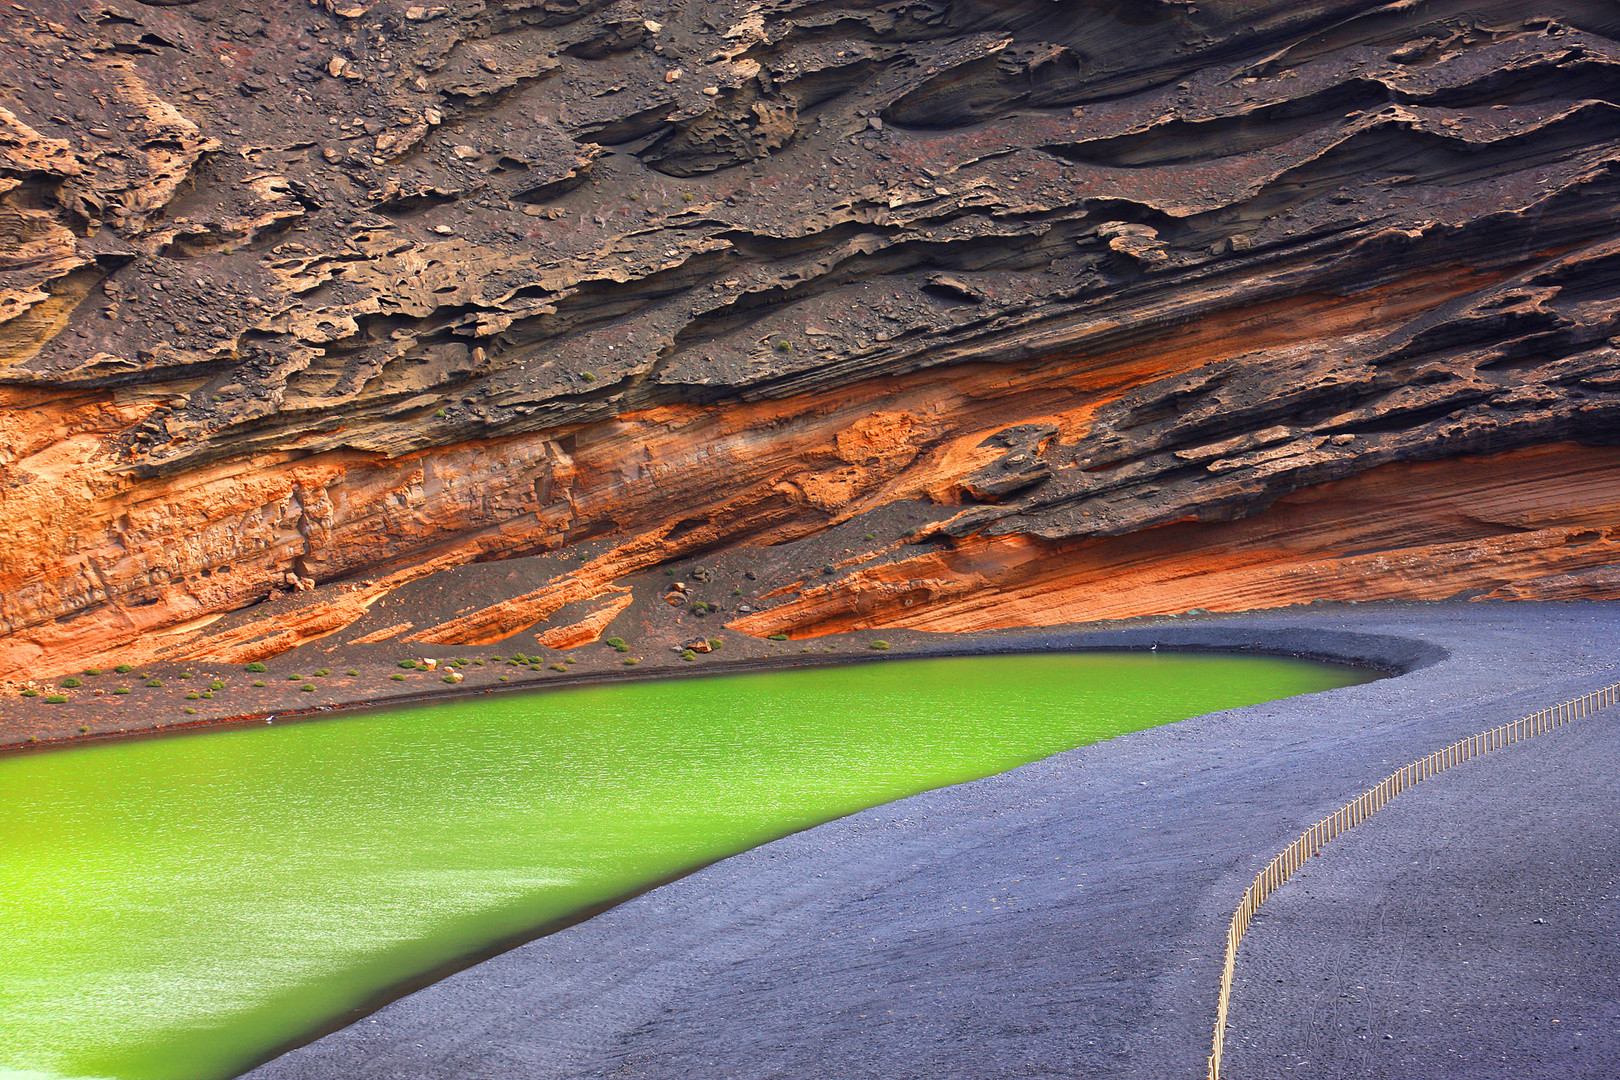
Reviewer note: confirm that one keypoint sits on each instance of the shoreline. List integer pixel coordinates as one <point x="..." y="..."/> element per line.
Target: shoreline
<point x="1113" y="869"/>
<point x="29" y="725"/>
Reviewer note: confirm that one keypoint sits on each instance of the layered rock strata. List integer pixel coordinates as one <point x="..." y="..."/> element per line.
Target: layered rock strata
<point x="1157" y="305"/>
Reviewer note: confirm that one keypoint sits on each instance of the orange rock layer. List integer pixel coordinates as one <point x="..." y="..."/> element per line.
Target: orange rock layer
<point x="97" y="564"/>
<point x="1542" y="523"/>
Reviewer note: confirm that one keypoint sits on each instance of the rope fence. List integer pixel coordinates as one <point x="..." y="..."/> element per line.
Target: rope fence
<point x="1281" y="868"/>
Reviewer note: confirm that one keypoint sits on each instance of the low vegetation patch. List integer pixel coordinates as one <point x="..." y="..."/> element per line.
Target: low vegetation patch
<point x="880" y="645"/>
<point x="56" y="699"/>
<point x="255" y="667"/>
<point x="72" y="683"/>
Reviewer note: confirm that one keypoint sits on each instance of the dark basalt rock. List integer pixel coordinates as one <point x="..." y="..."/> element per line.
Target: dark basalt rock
<point x="1271" y="246"/>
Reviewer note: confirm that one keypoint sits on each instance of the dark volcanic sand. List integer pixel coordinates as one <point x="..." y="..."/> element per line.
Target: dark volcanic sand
<point x="1471" y="928"/>
<point x="1067" y="918"/>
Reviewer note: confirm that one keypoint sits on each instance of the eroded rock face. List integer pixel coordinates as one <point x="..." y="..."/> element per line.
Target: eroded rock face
<point x="363" y="291"/>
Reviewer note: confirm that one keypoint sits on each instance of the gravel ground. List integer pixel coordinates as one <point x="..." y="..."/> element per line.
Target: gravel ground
<point x="1065" y="918"/>
<point x="1471" y="928"/>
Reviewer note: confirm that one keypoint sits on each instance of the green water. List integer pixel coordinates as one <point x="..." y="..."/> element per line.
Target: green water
<point x="179" y="908"/>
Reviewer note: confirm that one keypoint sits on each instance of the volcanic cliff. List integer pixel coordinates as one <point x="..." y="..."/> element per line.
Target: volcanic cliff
<point x="1119" y="308"/>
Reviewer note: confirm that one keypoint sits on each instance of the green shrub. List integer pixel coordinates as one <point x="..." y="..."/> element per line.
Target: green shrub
<point x="351" y="671"/>
<point x="258" y="682"/>
<point x="56" y="699"/>
<point x="495" y="659"/>
<point x="779" y="637"/>
<point x="207" y="694"/>
<point x="617" y="643"/>
<point x="537" y="667"/>
<point x="669" y="573"/>
<point x="121" y="690"/>
<point x="397" y="678"/>
<point x="154" y="682"/>
<point x="123" y="669"/>
<point x="450" y="678"/>
<point x="506" y="678"/>
<point x="557" y="667"/>
<point x="784" y="346"/>
<point x="588" y="376"/>
<point x="323" y="672"/>
<point x="216" y="685"/>
<point x="880" y="645"/>
<point x="72" y="683"/>
<point x="869" y="536"/>
<point x="408" y="664"/>
<point x="92" y="671"/>
<point x="30" y="692"/>
<point x="700" y="608"/>
<point x="477" y="663"/>
<point x="630" y="661"/>
<point x="910" y="532"/>
<point x="185" y="674"/>
<point x="193" y="697"/>
<point x="308" y="688"/>
<point x="256" y="667"/>
<point x="688" y="654"/>
<point x="295" y="678"/>
<point x="715" y="643"/>
<point x="570" y="660"/>
<point x="190" y="711"/>
<point x="84" y="729"/>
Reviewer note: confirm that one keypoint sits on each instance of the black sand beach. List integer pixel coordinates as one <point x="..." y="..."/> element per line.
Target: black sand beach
<point x="1067" y="918"/>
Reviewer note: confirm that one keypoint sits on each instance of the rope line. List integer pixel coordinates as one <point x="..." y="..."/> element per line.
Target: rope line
<point x="1353" y="813"/>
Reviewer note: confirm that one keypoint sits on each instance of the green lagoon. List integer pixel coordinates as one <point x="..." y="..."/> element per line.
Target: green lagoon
<point x="181" y="908"/>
